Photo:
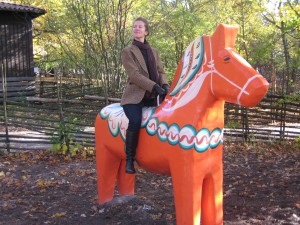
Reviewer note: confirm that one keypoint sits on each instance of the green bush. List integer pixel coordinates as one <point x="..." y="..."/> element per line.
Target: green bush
<point x="63" y="141"/>
<point x="297" y="142"/>
<point x="232" y="125"/>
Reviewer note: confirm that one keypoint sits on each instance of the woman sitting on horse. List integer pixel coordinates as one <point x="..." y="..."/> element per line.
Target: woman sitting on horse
<point x="146" y="80"/>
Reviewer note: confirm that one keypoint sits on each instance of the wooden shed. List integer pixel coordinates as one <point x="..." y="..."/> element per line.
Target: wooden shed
<point x="16" y="51"/>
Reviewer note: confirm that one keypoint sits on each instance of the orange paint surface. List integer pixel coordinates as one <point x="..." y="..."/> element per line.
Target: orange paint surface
<point x="183" y="137"/>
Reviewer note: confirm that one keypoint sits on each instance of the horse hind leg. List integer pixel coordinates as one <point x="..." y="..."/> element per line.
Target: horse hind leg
<point x="107" y="171"/>
<point x="125" y="181"/>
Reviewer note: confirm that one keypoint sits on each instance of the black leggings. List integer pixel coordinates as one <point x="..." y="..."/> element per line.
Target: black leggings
<point x="134" y="113"/>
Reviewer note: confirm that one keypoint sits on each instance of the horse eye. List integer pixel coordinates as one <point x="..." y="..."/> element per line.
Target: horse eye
<point x="226" y="58"/>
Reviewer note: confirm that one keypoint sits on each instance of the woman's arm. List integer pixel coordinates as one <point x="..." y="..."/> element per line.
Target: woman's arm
<point x="134" y="71"/>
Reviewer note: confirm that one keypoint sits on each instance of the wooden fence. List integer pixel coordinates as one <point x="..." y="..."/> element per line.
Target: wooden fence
<point x="269" y="120"/>
<point x="28" y="123"/>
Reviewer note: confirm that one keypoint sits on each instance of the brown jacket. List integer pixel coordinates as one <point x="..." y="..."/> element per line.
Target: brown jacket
<point x="138" y="77"/>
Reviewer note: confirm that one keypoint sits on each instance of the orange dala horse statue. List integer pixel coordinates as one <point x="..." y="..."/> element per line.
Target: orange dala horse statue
<point x="183" y="136"/>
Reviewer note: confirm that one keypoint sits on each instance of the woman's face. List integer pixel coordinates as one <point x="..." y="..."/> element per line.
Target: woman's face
<point x="139" y="31"/>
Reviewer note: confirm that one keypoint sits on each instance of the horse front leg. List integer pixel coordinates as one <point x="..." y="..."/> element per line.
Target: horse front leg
<point x="212" y="198"/>
<point x="107" y="169"/>
<point x="187" y="185"/>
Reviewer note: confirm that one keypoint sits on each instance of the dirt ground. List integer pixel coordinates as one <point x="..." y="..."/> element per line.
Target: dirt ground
<point x="261" y="186"/>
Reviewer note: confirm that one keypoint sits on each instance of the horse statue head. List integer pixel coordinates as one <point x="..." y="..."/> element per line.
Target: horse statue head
<point x="211" y="66"/>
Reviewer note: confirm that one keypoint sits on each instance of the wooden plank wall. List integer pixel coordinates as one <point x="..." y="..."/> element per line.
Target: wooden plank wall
<point x="16" y="55"/>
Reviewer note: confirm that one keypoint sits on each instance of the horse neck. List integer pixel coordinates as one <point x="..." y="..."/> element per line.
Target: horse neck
<point x="199" y="105"/>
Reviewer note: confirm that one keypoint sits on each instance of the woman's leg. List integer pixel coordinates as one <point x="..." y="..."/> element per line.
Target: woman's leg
<point x="134" y="115"/>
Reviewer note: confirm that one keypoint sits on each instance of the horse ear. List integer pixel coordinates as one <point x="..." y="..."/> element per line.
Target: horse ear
<point x="225" y="35"/>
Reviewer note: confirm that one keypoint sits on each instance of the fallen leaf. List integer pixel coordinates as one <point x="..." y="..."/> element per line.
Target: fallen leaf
<point x="59" y="215"/>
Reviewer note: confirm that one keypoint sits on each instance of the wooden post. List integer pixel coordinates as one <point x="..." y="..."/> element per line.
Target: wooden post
<point x="282" y="120"/>
<point x="41" y="85"/>
<point x="4" y="84"/>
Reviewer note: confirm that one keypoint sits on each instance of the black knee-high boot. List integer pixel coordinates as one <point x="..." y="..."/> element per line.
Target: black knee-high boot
<point x="132" y="138"/>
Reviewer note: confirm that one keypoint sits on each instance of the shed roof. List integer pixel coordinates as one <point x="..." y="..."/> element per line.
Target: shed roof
<point x="31" y="10"/>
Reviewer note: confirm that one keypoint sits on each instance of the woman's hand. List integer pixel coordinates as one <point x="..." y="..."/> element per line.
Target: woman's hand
<point x="159" y="90"/>
<point x="166" y="87"/>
